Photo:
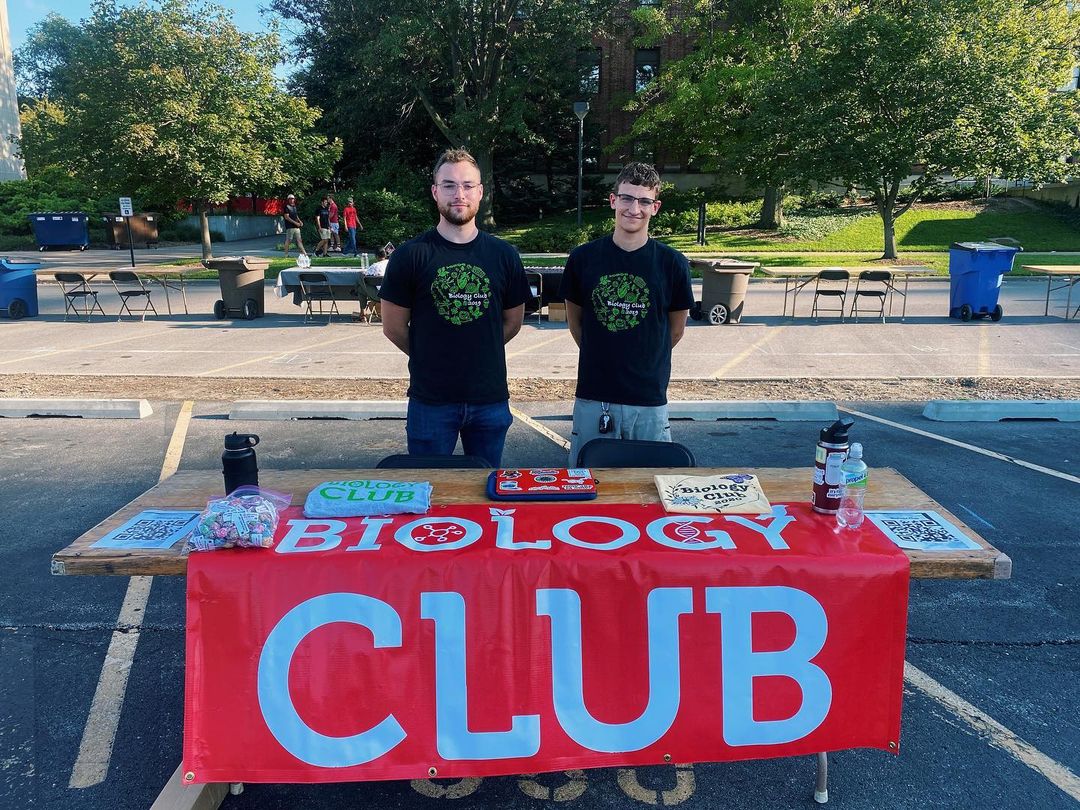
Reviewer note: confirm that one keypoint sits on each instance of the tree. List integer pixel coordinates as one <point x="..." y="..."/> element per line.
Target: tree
<point x="704" y="101"/>
<point x="477" y="71"/>
<point x="962" y="87"/>
<point x="172" y="102"/>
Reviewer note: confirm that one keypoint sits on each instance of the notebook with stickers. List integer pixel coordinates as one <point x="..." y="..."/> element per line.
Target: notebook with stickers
<point x="542" y="484"/>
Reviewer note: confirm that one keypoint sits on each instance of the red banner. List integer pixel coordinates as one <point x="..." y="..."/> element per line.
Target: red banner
<point x="477" y="641"/>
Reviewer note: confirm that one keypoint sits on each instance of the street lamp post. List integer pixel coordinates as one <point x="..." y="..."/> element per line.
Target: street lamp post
<point x="581" y="109"/>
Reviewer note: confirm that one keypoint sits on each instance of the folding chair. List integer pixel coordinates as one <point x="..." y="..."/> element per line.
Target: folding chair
<point x="315" y="287"/>
<point x="118" y="277"/>
<point x="830" y="291"/>
<point x="536" y="287"/>
<point x="403" y="461"/>
<point x="76" y="289"/>
<point x="880" y="293"/>
<point x="634" y="453"/>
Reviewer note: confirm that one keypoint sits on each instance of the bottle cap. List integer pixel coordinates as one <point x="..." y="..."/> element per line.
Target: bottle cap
<point x="855" y="451"/>
<point x="836" y="433"/>
<point x="238" y="441"/>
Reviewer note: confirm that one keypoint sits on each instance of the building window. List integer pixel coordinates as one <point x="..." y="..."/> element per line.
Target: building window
<point x="646" y="67"/>
<point x="588" y="60"/>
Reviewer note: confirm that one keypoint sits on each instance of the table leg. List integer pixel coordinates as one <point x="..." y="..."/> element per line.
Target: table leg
<point x="821" y="787"/>
<point x="1046" y="309"/>
<point x="177" y="796"/>
<point x="903" y="310"/>
<point x="783" y="312"/>
<point x="1068" y="297"/>
<point x="165" y="288"/>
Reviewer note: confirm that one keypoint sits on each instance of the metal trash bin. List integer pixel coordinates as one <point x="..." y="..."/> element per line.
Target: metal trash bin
<point x="975" y="273"/>
<point x="60" y="229"/>
<point x="723" y="289"/>
<point x="242" y="280"/>
<point x="18" y="289"/>
<point x="144" y="230"/>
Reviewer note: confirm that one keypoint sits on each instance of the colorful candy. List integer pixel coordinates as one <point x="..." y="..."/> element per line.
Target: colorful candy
<point x="246" y="518"/>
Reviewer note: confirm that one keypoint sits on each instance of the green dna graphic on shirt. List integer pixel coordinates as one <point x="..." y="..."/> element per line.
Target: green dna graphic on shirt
<point x="620" y="301"/>
<point x="461" y="292"/>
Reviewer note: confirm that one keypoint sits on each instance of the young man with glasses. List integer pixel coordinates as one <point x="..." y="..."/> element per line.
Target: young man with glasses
<point x="451" y="299"/>
<point x="627" y="297"/>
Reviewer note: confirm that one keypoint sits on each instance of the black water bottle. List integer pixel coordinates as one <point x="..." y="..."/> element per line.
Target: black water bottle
<point x="238" y="463"/>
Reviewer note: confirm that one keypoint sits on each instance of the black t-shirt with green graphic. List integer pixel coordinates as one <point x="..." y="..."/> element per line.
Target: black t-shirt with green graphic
<point x="457" y="294"/>
<point x="625" y="297"/>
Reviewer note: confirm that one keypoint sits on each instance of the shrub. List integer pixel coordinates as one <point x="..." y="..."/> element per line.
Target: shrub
<point x="731" y="214"/>
<point x="559" y="238"/>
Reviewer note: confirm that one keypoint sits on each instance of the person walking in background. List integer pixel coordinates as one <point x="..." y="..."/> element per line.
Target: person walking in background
<point x="627" y="297"/>
<point x="322" y="225"/>
<point x="451" y="299"/>
<point x="335" y="225"/>
<point x="293" y="226"/>
<point x="352" y="222"/>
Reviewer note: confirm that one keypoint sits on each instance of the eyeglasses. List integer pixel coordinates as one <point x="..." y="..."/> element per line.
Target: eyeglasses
<point x="446" y="187"/>
<point x="626" y="200"/>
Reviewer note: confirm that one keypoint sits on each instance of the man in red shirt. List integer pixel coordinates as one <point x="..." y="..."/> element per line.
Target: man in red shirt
<point x="352" y="222"/>
<point x="335" y="227"/>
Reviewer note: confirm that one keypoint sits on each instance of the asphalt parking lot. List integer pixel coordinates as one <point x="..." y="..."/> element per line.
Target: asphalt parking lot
<point x="1010" y="648"/>
<point x="764" y="345"/>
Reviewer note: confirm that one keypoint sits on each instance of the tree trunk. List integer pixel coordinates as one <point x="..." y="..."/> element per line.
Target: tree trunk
<point x="772" y="207"/>
<point x="889" y="223"/>
<point x="204" y="222"/>
<point x="485" y="218"/>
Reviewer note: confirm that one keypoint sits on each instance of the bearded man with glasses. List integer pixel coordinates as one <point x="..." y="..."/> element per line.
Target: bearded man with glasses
<point x="627" y="297"/>
<point x="451" y="299"/>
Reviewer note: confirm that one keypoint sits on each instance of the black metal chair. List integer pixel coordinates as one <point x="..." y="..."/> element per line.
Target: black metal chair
<point x="77" y="291"/>
<point x="832" y="290"/>
<point x="139" y="290"/>
<point x="403" y="461"/>
<point x="536" y="287"/>
<point x="634" y="453"/>
<point x="315" y="287"/>
<point x="882" y="281"/>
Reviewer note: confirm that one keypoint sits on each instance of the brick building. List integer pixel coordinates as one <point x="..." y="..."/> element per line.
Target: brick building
<point x="612" y="72"/>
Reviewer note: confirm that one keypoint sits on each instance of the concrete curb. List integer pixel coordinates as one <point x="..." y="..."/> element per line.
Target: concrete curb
<point x="288" y="409"/>
<point x="81" y="408"/>
<point x="710" y="410"/>
<point x="994" y="410"/>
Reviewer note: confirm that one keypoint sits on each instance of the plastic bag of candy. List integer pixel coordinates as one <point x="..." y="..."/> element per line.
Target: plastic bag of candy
<point x="245" y="518"/>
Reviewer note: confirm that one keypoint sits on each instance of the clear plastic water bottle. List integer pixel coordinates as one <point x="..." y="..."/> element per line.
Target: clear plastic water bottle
<point x="854" y="475"/>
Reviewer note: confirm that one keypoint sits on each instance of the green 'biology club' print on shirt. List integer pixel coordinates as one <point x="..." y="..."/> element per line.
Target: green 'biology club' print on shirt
<point x="620" y="301"/>
<point x="461" y="292"/>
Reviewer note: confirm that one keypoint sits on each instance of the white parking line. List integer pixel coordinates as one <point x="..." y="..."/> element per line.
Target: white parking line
<point x="547" y="433"/>
<point x="965" y="445"/>
<point x="994" y="733"/>
<point x="95" y="749"/>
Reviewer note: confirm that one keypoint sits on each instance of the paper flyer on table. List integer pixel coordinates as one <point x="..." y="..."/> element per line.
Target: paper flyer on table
<point x="151" y="528"/>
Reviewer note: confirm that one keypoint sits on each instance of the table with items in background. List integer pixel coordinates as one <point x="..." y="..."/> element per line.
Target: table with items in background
<point x="344" y="282"/>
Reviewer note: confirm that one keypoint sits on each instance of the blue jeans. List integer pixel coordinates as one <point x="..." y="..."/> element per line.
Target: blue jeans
<point x="350" y="246"/>
<point x="434" y="429"/>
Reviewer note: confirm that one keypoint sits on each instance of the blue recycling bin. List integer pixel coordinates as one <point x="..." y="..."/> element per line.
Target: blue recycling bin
<point x="60" y="229"/>
<point x="18" y="289"/>
<point x="975" y="273"/>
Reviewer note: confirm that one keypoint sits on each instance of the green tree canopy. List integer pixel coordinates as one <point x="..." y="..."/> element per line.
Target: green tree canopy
<point x="170" y="101"/>
<point x="704" y="101"/>
<point x="482" y="75"/>
<point x="960" y="87"/>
